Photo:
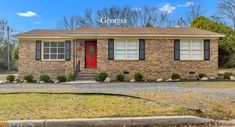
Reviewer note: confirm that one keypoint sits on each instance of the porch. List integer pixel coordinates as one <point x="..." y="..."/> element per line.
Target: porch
<point x="85" y="59"/>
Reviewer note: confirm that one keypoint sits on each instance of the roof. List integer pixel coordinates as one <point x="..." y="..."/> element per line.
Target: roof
<point x="120" y="31"/>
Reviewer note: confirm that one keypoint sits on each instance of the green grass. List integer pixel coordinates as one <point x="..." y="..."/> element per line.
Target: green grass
<point x="34" y="106"/>
<point x="64" y="106"/>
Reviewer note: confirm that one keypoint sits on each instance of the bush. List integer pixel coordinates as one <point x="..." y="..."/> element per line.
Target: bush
<point x="120" y="77"/>
<point x="10" y="78"/>
<point x="28" y="78"/>
<point x="175" y="76"/>
<point x="200" y="75"/>
<point x="227" y="75"/>
<point x="102" y="76"/>
<point x="138" y="76"/>
<point x="70" y="77"/>
<point x="62" y="78"/>
<point x="44" y="77"/>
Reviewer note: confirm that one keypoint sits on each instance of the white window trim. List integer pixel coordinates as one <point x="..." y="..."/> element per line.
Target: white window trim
<point x="190" y="50"/>
<point x="42" y="53"/>
<point x="126" y="41"/>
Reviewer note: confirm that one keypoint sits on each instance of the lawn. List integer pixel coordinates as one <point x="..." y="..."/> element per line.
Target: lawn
<point x="208" y="98"/>
<point x="42" y="106"/>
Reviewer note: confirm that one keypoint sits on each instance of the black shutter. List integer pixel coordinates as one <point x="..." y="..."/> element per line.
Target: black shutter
<point x="141" y="49"/>
<point x="177" y="49"/>
<point x="67" y="50"/>
<point x="38" y="50"/>
<point x="206" y="49"/>
<point x="111" y="49"/>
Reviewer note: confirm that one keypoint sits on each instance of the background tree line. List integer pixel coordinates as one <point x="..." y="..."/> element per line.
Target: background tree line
<point x="4" y="43"/>
<point x="223" y="21"/>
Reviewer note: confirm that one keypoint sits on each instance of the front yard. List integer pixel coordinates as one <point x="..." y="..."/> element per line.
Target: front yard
<point x="207" y="99"/>
<point x="34" y="106"/>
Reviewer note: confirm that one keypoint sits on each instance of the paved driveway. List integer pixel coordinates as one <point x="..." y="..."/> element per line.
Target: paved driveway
<point x="126" y="88"/>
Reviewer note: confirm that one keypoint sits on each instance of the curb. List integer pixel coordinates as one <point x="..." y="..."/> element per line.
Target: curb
<point x="117" y="122"/>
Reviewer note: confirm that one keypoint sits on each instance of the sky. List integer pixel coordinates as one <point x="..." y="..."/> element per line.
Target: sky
<point x="25" y="15"/>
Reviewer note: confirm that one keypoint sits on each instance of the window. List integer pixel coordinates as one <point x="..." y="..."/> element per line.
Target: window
<point x="126" y="50"/>
<point x="191" y="50"/>
<point x="53" y="50"/>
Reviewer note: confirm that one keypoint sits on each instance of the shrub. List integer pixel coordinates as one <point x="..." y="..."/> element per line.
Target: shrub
<point x="102" y="76"/>
<point x="62" y="78"/>
<point x="120" y="77"/>
<point x="175" y="76"/>
<point x="10" y="78"/>
<point x="44" y="77"/>
<point x="70" y="77"/>
<point x="138" y="76"/>
<point x="200" y="75"/>
<point x="28" y="78"/>
<point x="227" y="75"/>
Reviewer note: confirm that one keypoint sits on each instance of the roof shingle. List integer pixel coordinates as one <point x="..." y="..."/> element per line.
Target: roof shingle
<point x="120" y="31"/>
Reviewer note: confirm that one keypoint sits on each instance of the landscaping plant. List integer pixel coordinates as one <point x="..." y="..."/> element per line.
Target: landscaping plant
<point x="70" y="77"/>
<point x="201" y="75"/>
<point x="120" y="77"/>
<point x="175" y="76"/>
<point x="62" y="78"/>
<point x="227" y="75"/>
<point x="102" y="76"/>
<point x="138" y="76"/>
<point x="44" y="77"/>
<point x="10" y="78"/>
<point x="28" y="78"/>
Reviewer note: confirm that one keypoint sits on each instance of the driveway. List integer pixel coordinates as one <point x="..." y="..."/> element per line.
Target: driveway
<point x="127" y="88"/>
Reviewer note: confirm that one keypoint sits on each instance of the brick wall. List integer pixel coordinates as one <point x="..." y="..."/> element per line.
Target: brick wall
<point x="28" y="65"/>
<point x="159" y="61"/>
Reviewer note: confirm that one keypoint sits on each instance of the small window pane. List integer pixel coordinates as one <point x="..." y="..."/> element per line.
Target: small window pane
<point x="184" y="55"/>
<point x="46" y="44"/>
<point x="53" y="56"/>
<point x="120" y="45"/>
<point x="61" y="50"/>
<point x="53" y="44"/>
<point x="46" y="56"/>
<point x="196" y="57"/>
<point x="60" y="56"/>
<point x="120" y="52"/>
<point x="61" y="44"/>
<point x="196" y="46"/>
<point x="53" y="50"/>
<point x="132" y="45"/>
<point x="184" y="46"/>
<point x="46" y="50"/>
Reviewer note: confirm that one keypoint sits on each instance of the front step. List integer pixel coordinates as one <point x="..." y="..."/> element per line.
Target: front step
<point x="87" y="74"/>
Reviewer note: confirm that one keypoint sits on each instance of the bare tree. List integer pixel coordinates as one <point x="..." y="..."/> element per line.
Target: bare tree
<point x="69" y="23"/>
<point x="226" y="9"/>
<point x="3" y="28"/>
<point x="87" y="20"/>
<point x="195" y="9"/>
<point x="152" y="16"/>
<point x="74" y="22"/>
<point x="131" y="17"/>
<point x="114" y="12"/>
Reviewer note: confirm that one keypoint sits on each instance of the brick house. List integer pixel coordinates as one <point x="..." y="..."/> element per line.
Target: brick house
<point x="156" y="52"/>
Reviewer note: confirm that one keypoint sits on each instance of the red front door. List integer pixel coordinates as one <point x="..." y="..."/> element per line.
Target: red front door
<point x="91" y="54"/>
